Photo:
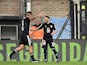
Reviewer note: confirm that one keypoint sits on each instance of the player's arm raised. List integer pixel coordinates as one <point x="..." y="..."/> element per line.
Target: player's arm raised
<point x="41" y="14"/>
<point x="40" y="27"/>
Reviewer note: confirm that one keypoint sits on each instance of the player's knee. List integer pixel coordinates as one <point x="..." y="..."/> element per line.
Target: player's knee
<point x="21" y="46"/>
<point x="30" y="49"/>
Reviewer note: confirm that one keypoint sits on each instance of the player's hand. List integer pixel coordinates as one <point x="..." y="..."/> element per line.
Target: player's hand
<point x="54" y="32"/>
<point x="51" y="33"/>
<point x="41" y="14"/>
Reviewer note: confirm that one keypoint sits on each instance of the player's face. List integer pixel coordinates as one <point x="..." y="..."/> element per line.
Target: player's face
<point x="46" y="19"/>
<point x="29" y="15"/>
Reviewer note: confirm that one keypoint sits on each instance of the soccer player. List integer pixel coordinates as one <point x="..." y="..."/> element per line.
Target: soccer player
<point x="24" y="38"/>
<point x="49" y="30"/>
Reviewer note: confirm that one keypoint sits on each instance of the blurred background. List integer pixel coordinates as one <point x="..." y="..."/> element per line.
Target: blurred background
<point x="69" y="17"/>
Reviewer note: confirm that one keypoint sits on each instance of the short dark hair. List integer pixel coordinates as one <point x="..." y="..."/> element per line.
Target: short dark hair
<point x="29" y="12"/>
<point x="47" y="17"/>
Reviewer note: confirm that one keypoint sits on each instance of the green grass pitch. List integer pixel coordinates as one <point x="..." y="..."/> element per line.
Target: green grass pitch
<point x="43" y="63"/>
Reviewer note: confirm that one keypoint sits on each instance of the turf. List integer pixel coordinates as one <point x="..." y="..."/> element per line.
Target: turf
<point x="43" y="63"/>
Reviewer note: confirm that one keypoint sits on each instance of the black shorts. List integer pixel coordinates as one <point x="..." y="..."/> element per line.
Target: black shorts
<point x="25" y="39"/>
<point x="46" y="43"/>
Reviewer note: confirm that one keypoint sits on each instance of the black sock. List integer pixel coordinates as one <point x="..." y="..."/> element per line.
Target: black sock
<point x="55" y="53"/>
<point x="32" y="57"/>
<point x="13" y="53"/>
<point x="45" y="54"/>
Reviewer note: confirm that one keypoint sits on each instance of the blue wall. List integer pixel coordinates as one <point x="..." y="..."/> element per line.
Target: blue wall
<point x="59" y="22"/>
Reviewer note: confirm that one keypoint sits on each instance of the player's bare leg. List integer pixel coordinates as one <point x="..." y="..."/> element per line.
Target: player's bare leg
<point x="21" y="47"/>
<point x="31" y="54"/>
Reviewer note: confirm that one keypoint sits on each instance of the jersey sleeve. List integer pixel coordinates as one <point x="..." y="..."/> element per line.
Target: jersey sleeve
<point x="41" y="26"/>
<point x="54" y="27"/>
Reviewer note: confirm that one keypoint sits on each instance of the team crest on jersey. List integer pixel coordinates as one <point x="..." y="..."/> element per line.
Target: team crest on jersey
<point x="45" y="26"/>
<point x="51" y="26"/>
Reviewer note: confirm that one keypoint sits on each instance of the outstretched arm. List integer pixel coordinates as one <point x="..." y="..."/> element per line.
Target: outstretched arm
<point x="40" y="27"/>
<point x="41" y="14"/>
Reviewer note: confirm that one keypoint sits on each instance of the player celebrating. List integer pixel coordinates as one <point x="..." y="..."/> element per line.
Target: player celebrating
<point x="25" y="39"/>
<point x="49" y="30"/>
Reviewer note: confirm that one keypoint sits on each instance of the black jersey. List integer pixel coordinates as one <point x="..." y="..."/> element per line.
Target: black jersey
<point x="26" y="26"/>
<point x="48" y="29"/>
